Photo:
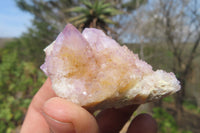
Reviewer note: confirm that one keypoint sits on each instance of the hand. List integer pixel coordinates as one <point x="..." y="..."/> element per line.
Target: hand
<point x="48" y="113"/>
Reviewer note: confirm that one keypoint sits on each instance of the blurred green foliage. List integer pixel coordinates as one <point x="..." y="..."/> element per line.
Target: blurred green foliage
<point x="168" y="99"/>
<point x="191" y="105"/>
<point x="19" y="81"/>
<point x="166" y="122"/>
<point x="20" y="76"/>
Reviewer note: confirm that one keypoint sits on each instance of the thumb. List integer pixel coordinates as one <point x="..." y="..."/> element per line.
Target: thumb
<point x="65" y="117"/>
<point x="58" y="126"/>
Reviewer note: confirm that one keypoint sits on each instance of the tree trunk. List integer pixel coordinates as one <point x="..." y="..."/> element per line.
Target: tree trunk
<point x="179" y="99"/>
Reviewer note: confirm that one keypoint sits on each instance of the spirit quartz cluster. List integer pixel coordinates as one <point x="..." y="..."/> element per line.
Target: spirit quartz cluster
<point x="93" y="70"/>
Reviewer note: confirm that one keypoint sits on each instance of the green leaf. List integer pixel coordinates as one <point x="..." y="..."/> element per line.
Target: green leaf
<point x="3" y="127"/>
<point x="87" y="4"/>
<point x="18" y="115"/>
<point x="81" y="21"/>
<point x="112" y="11"/>
<point x="104" y="6"/>
<point x="96" y="4"/>
<point x="9" y="130"/>
<point x="76" y="9"/>
<point x="25" y="103"/>
<point x="105" y="19"/>
<point x="6" y="114"/>
<point x="76" y="18"/>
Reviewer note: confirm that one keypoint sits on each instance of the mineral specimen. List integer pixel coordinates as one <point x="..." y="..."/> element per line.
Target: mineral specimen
<point x="93" y="70"/>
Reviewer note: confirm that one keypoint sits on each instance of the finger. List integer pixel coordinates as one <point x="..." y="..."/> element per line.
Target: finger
<point x="112" y="120"/>
<point x="143" y="123"/>
<point x="46" y="92"/>
<point x="34" y="121"/>
<point x="66" y="117"/>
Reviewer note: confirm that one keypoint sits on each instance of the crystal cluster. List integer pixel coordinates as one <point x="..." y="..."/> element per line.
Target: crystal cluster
<point x="92" y="69"/>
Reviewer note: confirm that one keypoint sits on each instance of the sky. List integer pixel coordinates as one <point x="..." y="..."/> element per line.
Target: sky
<point x="13" y="21"/>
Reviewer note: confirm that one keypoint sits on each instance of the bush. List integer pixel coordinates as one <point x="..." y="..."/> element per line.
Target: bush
<point x="166" y="122"/>
<point x="190" y="105"/>
<point x="19" y="81"/>
<point x="168" y="99"/>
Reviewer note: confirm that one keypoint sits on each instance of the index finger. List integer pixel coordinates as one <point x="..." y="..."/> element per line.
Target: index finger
<point x="46" y="92"/>
<point x="34" y="121"/>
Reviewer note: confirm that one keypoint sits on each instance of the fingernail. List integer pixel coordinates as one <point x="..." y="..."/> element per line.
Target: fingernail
<point x="58" y="126"/>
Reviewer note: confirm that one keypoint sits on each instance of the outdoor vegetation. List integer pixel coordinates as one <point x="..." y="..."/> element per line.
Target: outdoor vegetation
<point x="165" y="33"/>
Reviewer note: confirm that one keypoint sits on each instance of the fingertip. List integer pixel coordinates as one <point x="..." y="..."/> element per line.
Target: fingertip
<point x="63" y="111"/>
<point x="47" y="83"/>
<point x="143" y="123"/>
<point x="58" y="109"/>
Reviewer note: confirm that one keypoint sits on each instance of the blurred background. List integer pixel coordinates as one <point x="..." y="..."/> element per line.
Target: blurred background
<point x="165" y="33"/>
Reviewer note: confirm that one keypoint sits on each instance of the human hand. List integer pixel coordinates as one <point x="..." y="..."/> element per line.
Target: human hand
<point x="48" y="113"/>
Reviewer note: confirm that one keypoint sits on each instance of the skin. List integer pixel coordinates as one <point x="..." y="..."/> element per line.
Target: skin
<point x="48" y="113"/>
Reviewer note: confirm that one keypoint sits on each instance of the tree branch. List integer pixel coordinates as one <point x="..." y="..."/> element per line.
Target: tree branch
<point x="191" y="56"/>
